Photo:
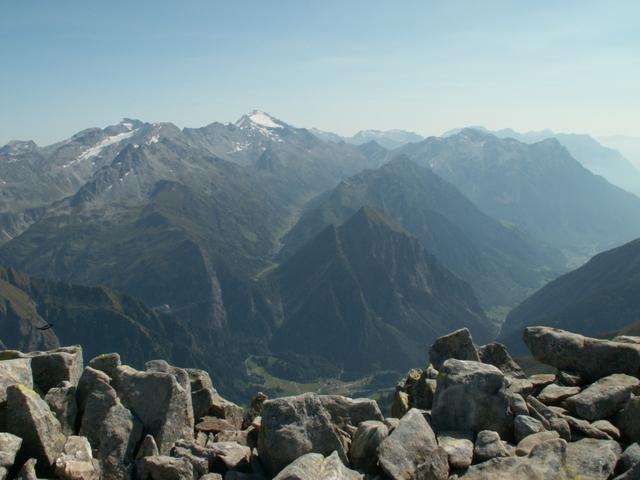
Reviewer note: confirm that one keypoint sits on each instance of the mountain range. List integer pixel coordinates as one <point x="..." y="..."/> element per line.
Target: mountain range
<point x="388" y="139"/>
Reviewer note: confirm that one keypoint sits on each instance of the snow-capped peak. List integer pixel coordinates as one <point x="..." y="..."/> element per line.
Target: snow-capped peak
<point x="261" y="119"/>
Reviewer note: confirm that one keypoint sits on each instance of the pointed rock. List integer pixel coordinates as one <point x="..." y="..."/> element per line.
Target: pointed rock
<point x="62" y="401"/>
<point x="458" y="345"/>
<point x="314" y="466"/>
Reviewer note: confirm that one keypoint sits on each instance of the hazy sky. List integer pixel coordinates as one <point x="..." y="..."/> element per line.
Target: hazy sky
<point x="337" y="65"/>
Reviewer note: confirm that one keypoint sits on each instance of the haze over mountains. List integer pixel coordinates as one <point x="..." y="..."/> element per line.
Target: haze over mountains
<point x="321" y="254"/>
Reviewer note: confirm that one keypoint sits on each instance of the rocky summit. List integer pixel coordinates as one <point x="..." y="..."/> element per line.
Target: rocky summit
<point x="472" y="413"/>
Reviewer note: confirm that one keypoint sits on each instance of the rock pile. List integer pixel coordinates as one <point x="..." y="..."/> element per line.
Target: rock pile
<point x="471" y="414"/>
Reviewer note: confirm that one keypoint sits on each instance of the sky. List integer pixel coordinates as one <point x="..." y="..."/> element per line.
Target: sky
<point x="342" y="66"/>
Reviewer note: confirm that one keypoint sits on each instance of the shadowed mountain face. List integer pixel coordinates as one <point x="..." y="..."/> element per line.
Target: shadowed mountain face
<point x="539" y="188"/>
<point x="366" y="294"/>
<point x="601" y="296"/>
<point x="501" y="264"/>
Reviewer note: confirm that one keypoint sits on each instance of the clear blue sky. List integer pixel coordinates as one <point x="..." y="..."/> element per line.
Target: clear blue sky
<point x="337" y="65"/>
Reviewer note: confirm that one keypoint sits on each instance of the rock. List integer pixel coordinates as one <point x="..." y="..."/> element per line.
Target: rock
<point x="471" y="396"/>
<point x="590" y="357"/>
<point x="165" y="468"/>
<point x="629" y="458"/>
<point x="628" y="420"/>
<point x="517" y="404"/>
<point x="552" y="394"/>
<point x="545" y="462"/>
<point x="62" y="402"/>
<point x="255" y="409"/>
<point x="632" y="474"/>
<point x="592" y="459"/>
<point x="314" y="466"/>
<point x="231" y="412"/>
<point x="552" y="419"/>
<point x="28" y="470"/>
<point x="230" y="456"/>
<point x="107" y="363"/>
<point x="583" y="428"/>
<point x="309" y="423"/>
<point x="459" y="448"/>
<point x="238" y="436"/>
<point x="496" y="354"/>
<point x="626" y="339"/>
<point x="608" y="428"/>
<point x="170" y="416"/>
<point x="424" y="392"/>
<point x="603" y="398"/>
<point x="364" y="447"/>
<point x="211" y="476"/>
<point x="391" y="423"/>
<point x="199" y="457"/>
<point x="411" y="444"/>
<point x="120" y="433"/>
<point x="56" y="366"/>
<point x="76" y="461"/>
<point x="9" y="446"/>
<point x="519" y="386"/>
<point x="458" y="345"/>
<point x="32" y="420"/>
<point x="97" y="403"/>
<point x="436" y="467"/>
<point x="524" y="426"/>
<point x="148" y="448"/>
<point x="207" y="402"/>
<point x="213" y="425"/>
<point x="400" y="404"/>
<point x="540" y="380"/>
<point x="570" y="379"/>
<point x="488" y="445"/>
<point x="526" y="445"/>
<point x="14" y="372"/>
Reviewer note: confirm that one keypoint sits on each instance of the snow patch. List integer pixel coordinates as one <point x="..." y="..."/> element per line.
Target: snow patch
<point x="263" y="119"/>
<point x="98" y="147"/>
<point x="153" y="139"/>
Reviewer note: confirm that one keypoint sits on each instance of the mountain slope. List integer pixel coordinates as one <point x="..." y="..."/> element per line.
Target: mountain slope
<point x="539" y="188"/>
<point x="366" y="294"/>
<point x="388" y="139"/>
<point x="502" y="265"/>
<point x="601" y="296"/>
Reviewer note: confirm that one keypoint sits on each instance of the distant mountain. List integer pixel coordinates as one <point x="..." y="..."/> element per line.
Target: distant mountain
<point x="388" y="139"/>
<point x="601" y="296"/>
<point x="365" y="294"/>
<point x="627" y="145"/>
<point x="539" y="187"/>
<point x="501" y="264"/>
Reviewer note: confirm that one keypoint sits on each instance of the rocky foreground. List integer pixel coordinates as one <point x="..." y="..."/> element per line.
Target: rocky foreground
<point x="471" y="414"/>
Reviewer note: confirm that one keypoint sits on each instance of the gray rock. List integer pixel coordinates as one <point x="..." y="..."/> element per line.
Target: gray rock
<point x="545" y="462"/>
<point x="364" y="447"/>
<point x="211" y="476"/>
<point x="569" y="379"/>
<point x="632" y="474"/>
<point x="148" y="448"/>
<point x="526" y="445"/>
<point x="628" y="420"/>
<point x="32" y="420"/>
<point x="458" y="345"/>
<point x="592" y="459"/>
<point x="9" y="446"/>
<point x="540" y="380"/>
<point x="28" y="470"/>
<point x="552" y="394"/>
<point x="520" y="386"/>
<point x="424" y="391"/>
<point x="238" y="436"/>
<point x="496" y="354"/>
<point x="3" y="470"/>
<point x="400" y="404"/>
<point x="13" y="372"/>
<point x="107" y="363"/>
<point x="608" y="428"/>
<point x="471" y="396"/>
<point x="524" y="426"/>
<point x="90" y="380"/>
<point x="517" y="404"/>
<point x="230" y="456"/>
<point x="590" y="357"/>
<point x="97" y="404"/>
<point x="120" y="433"/>
<point x="314" y="466"/>
<point x="199" y="457"/>
<point x="207" y="402"/>
<point x="76" y="461"/>
<point x="165" y="468"/>
<point x="413" y="443"/>
<point x="550" y="419"/>
<point x="62" y="401"/>
<point x="170" y="416"/>
<point x="629" y="458"/>
<point x="309" y="423"/>
<point x="488" y="445"/>
<point x="583" y="428"/>
<point x="436" y="467"/>
<point x="603" y="398"/>
<point x="459" y="448"/>
<point x="56" y="366"/>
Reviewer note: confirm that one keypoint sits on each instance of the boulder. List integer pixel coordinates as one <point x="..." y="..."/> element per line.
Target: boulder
<point x="199" y="457"/>
<point x="458" y="345"/>
<point x="120" y="434"/>
<point x="31" y="419"/>
<point x="400" y="404"/>
<point x="592" y="459"/>
<point x="107" y="363"/>
<point x="590" y="357"/>
<point x="488" y="445"/>
<point x="9" y="447"/>
<point x="496" y="354"/>
<point x="28" y="470"/>
<point x="364" y="447"/>
<point x="148" y="447"/>
<point x="629" y="458"/>
<point x="90" y="380"/>
<point x="97" y="404"/>
<point x="213" y="425"/>
<point x="229" y="456"/>
<point x="309" y="423"/>
<point x="549" y="418"/>
<point x="603" y="398"/>
<point x="632" y="474"/>
<point x="238" y="436"/>
<point x="62" y="401"/>
<point x="517" y="404"/>
<point x="459" y="448"/>
<point x="608" y="428"/>
<point x="255" y="409"/>
<point x="314" y="466"/>
<point x="56" y="366"/>
<point x="583" y="428"/>
<point x="412" y="444"/>
<point x="13" y="372"/>
<point x="169" y="417"/>
<point x="76" y="461"/>
<point x="424" y="391"/>
<point x="569" y="379"/>
<point x="471" y="396"/>
<point x="628" y="420"/>
<point x="523" y="426"/>
<point x="526" y="445"/>
<point x="165" y="468"/>
<point x="552" y="394"/>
